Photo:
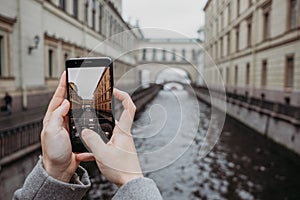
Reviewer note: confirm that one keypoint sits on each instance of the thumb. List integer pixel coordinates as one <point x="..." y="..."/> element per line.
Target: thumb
<point x="94" y="142"/>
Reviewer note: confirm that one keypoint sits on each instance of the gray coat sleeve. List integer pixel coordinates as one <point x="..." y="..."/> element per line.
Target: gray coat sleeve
<point x="140" y="188"/>
<point x="39" y="185"/>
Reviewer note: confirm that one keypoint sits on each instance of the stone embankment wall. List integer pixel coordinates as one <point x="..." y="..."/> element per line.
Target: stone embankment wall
<point x="280" y="123"/>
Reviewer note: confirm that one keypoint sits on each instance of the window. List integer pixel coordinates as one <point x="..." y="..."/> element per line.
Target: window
<point x="164" y="55"/>
<point x="66" y="56"/>
<point x="174" y="55"/>
<point x="249" y="30"/>
<point x="86" y="12"/>
<point x="115" y="27"/>
<point x="248" y="74"/>
<point x="222" y="21"/>
<point x="221" y="74"/>
<point x="229" y="13"/>
<point x="217" y="50"/>
<point x="289" y="72"/>
<point x="237" y="38"/>
<point x="292" y="12"/>
<point x="94" y="5"/>
<point x="228" y="43"/>
<point x="194" y="57"/>
<point x="62" y="4"/>
<point x="154" y="54"/>
<point x="236" y="75"/>
<point x="100" y="17"/>
<point x="104" y="25"/>
<point x="264" y="73"/>
<point x="266" y="22"/>
<point x="75" y="8"/>
<point x="227" y="75"/>
<point x="110" y="25"/>
<point x="266" y="26"/>
<point x="221" y="41"/>
<point x="50" y="63"/>
<point x="94" y="15"/>
<point x="183" y="54"/>
<point x="1" y="57"/>
<point x="238" y="4"/>
<point x="217" y="25"/>
<point x="144" y="54"/>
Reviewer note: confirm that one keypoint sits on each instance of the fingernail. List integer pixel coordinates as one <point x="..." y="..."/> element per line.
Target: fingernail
<point x="116" y="89"/>
<point x="85" y="132"/>
<point x="64" y="102"/>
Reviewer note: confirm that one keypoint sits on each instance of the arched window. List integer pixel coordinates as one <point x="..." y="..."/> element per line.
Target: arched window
<point x="194" y="54"/>
<point x="154" y="54"/>
<point x="173" y="54"/>
<point x="144" y="54"/>
<point x="164" y="55"/>
<point x="183" y="54"/>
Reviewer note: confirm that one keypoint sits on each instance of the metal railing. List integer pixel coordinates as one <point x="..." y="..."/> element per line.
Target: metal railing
<point x="15" y="139"/>
<point x="278" y="109"/>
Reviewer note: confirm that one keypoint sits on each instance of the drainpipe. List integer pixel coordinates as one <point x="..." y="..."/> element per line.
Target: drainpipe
<point x="21" y="70"/>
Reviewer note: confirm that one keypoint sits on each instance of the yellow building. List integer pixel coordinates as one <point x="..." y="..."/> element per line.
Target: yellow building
<point x="102" y="93"/>
<point x="255" y="45"/>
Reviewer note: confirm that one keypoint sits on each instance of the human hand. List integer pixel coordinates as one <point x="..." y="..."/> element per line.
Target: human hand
<point x="117" y="159"/>
<point x="58" y="159"/>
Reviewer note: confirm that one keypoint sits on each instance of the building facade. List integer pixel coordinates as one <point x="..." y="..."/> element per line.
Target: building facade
<point x="75" y="99"/>
<point x="102" y="95"/>
<point x="255" y="46"/>
<point x="36" y="37"/>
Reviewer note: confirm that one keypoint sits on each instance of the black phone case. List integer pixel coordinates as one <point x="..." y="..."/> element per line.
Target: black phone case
<point x="89" y="62"/>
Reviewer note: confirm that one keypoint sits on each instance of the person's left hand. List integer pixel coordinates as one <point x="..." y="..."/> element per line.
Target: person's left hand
<point x="58" y="159"/>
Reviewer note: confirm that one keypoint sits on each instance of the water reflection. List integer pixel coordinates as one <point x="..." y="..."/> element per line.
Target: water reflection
<point x="243" y="164"/>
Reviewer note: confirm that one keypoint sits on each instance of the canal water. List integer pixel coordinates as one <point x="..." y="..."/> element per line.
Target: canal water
<point x="242" y="164"/>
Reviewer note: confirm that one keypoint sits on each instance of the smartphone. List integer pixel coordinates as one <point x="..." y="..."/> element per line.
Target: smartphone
<point x="89" y="90"/>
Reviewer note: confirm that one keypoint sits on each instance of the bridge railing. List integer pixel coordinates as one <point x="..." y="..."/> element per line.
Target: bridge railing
<point x="17" y="138"/>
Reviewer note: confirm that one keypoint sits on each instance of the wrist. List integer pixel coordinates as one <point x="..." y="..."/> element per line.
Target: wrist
<point x="57" y="172"/>
<point x="129" y="177"/>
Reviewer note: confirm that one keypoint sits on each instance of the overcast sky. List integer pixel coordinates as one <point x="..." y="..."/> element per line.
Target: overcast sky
<point x="86" y="79"/>
<point x="184" y="16"/>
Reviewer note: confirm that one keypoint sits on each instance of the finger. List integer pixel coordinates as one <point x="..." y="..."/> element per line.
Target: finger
<point x="125" y="123"/>
<point x="57" y="117"/>
<point x="63" y="109"/>
<point x="125" y="99"/>
<point x="59" y="94"/>
<point x="128" y="113"/>
<point x="94" y="142"/>
<point x="84" y="157"/>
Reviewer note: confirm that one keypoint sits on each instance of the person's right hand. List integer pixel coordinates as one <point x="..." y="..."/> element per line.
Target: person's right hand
<point x="117" y="160"/>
